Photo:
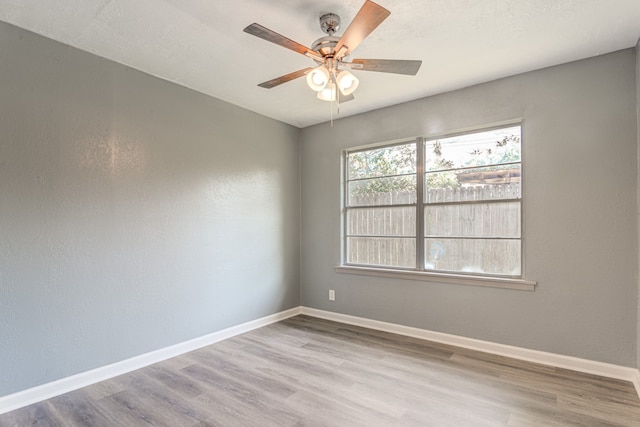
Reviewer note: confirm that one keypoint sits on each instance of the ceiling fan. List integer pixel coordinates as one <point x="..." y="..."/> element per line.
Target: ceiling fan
<point x="331" y="77"/>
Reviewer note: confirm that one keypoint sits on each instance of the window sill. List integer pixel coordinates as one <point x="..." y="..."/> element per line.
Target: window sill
<point x="458" y="279"/>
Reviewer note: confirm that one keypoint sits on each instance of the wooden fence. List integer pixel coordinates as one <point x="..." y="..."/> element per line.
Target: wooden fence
<point x="467" y="237"/>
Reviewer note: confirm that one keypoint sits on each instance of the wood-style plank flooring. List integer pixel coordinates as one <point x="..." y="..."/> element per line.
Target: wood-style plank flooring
<point x="310" y="372"/>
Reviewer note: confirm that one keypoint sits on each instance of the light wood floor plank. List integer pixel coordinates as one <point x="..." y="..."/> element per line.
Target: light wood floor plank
<point x="305" y="371"/>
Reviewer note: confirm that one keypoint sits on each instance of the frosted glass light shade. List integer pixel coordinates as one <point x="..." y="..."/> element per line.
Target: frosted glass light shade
<point x="318" y="78"/>
<point x="328" y="93"/>
<point x="347" y="82"/>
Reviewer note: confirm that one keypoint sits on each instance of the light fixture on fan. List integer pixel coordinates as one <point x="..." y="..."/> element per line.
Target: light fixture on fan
<point x="328" y="93"/>
<point x="347" y="82"/>
<point x="327" y="83"/>
<point x="318" y="78"/>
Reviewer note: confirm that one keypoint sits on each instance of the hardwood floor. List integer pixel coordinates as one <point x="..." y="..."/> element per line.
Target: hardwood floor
<point x="310" y="372"/>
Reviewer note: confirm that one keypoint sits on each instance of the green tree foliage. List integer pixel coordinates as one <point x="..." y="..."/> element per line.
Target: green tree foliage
<point x="506" y="150"/>
<point x="436" y="162"/>
<point x="383" y="170"/>
<point x="393" y="168"/>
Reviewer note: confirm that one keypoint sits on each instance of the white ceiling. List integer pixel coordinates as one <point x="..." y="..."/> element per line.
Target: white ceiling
<point x="200" y="43"/>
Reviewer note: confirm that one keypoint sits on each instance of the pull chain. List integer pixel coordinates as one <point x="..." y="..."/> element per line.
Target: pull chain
<point x="331" y="112"/>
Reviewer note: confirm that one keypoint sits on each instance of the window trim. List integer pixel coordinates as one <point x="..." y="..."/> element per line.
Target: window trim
<point x="419" y="273"/>
<point x="345" y="197"/>
<point x="430" y="276"/>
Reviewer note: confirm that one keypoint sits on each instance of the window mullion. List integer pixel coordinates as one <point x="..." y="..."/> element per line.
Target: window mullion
<point x="344" y="197"/>
<point x="420" y="204"/>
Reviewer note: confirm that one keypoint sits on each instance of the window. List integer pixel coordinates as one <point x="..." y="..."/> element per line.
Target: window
<point x="446" y="205"/>
<point x="381" y="206"/>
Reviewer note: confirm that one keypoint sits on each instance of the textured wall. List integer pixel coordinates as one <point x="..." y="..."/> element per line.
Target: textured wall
<point x="134" y="213"/>
<point x="638" y="130"/>
<point x="580" y="222"/>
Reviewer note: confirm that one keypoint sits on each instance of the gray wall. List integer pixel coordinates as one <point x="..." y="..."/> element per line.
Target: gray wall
<point x="580" y="221"/>
<point x="638" y="129"/>
<point x="134" y="213"/>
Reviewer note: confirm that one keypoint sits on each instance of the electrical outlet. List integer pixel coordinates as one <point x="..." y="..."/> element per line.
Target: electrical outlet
<point x="332" y="295"/>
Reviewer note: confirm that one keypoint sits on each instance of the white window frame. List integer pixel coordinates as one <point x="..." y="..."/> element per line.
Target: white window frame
<point x="377" y="206"/>
<point x="419" y="272"/>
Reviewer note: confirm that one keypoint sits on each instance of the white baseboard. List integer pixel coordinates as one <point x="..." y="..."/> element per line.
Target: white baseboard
<point x="535" y="356"/>
<point x="65" y="385"/>
<point x="636" y="381"/>
<point x="83" y="379"/>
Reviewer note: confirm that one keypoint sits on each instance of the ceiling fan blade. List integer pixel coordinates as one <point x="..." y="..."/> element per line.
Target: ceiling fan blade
<point x="284" y="79"/>
<point x="346" y="98"/>
<point x="396" y="66"/>
<point x="273" y="37"/>
<point x="367" y="19"/>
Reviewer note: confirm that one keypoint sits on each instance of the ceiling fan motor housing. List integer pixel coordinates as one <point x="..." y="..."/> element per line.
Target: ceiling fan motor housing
<point x="325" y="45"/>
